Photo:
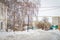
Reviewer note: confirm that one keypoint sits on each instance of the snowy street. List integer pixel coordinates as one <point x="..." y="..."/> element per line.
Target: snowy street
<point x="29" y="20"/>
<point x="31" y="35"/>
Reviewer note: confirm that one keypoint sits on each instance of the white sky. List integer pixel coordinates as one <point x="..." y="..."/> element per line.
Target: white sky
<point x="49" y="8"/>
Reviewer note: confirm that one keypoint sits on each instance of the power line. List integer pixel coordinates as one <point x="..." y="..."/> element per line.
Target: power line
<point x="50" y="9"/>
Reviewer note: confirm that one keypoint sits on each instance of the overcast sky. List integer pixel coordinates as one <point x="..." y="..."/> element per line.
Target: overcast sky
<point x="50" y="8"/>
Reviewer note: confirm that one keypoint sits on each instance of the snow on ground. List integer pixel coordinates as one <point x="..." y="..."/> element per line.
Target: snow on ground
<point x="31" y="35"/>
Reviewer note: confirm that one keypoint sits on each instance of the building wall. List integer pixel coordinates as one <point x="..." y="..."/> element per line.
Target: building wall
<point x="56" y="21"/>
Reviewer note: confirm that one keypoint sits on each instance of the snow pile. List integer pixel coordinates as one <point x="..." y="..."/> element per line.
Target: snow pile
<point x="31" y="35"/>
